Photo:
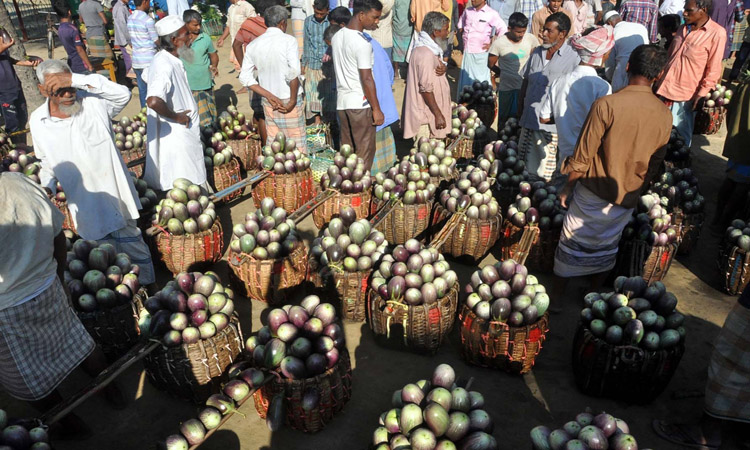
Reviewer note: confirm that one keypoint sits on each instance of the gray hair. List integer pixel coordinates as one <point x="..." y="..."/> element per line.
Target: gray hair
<point x="51" y="66"/>
<point x="433" y="21"/>
<point x="165" y="42"/>
<point x="274" y="15"/>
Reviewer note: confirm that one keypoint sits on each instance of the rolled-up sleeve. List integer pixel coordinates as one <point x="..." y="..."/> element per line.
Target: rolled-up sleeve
<point x="714" y="68"/>
<point x="425" y="74"/>
<point x="590" y="139"/>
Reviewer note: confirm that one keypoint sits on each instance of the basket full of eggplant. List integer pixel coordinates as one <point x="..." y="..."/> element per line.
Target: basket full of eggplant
<point x="348" y="177"/>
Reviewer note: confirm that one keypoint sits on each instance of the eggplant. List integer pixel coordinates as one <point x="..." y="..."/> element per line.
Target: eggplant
<point x="276" y="413"/>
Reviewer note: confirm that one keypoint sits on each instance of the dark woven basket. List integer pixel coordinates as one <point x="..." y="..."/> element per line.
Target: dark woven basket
<point x="690" y="229"/>
<point x="271" y="281"/>
<point x="334" y="387"/>
<point x="637" y="258"/>
<point x="194" y="371"/>
<point x="422" y="328"/>
<point x="289" y="191"/>
<point x="349" y="287"/>
<point x="734" y="264"/>
<point x="179" y="253"/>
<point x="226" y="175"/>
<point x="472" y="238"/>
<point x="404" y="221"/>
<point x="464" y="149"/>
<point x="541" y="256"/>
<point x="627" y="373"/>
<point x="708" y="120"/>
<point x="246" y="151"/>
<point x="360" y="202"/>
<point x="497" y="345"/>
<point x="115" y="330"/>
<point x="68" y="223"/>
<point x="131" y="155"/>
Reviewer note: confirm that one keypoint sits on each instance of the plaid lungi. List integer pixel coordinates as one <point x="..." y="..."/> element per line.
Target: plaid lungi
<point x="400" y="47"/>
<point x="99" y="47"/>
<point x="739" y="34"/>
<point x="298" y="30"/>
<point x="320" y="97"/>
<point x="385" y="151"/>
<point x="728" y="385"/>
<point x="538" y="149"/>
<point x="206" y="106"/>
<point x="41" y="342"/>
<point x="129" y="240"/>
<point x="292" y="124"/>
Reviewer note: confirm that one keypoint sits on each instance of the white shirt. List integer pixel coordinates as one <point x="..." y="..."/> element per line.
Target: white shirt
<point x="177" y="7"/>
<point x="275" y="55"/>
<point x="237" y="14"/>
<point x="351" y="52"/>
<point x="671" y="7"/>
<point x="30" y="218"/>
<point x="569" y="100"/>
<point x="628" y="36"/>
<point x="174" y="150"/>
<point x="80" y="153"/>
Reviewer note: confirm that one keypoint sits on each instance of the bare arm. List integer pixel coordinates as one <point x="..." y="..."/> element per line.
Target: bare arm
<point x="104" y="18"/>
<point x="224" y="35"/>
<point x="214" y="58"/>
<point x="161" y="108"/>
<point x="84" y="57"/>
<point x="293" y="90"/>
<point x="238" y="51"/>
<point x="368" y="85"/>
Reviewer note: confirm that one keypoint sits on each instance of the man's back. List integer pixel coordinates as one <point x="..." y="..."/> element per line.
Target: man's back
<point x="641" y="11"/>
<point x="71" y="38"/>
<point x="142" y="38"/>
<point x="351" y="52"/>
<point x="89" y="12"/>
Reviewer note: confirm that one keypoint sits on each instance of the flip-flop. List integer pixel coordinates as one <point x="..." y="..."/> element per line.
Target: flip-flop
<point x="677" y="434"/>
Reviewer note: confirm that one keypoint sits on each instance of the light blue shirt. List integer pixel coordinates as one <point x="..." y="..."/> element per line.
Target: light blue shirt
<point x="382" y="73"/>
<point x="504" y="7"/>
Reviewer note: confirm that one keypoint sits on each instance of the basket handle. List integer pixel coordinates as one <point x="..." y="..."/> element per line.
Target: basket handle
<point x="304" y="210"/>
<point x="447" y="230"/>
<point x="530" y="235"/>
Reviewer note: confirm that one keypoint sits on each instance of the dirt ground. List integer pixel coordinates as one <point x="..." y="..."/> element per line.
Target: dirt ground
<point x="547" y="395"/>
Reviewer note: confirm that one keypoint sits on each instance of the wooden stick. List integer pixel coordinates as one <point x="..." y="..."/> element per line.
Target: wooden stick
<point x="383" y="212"/>
<point x="305" y="210"/>
<point x="446" y="231"/>
<point x="251" y="179"/>
<point x="137" y="161"/>
<point x="18" y="132"/>
<point x="530" y="235"/>
<point x="100" y="382"/>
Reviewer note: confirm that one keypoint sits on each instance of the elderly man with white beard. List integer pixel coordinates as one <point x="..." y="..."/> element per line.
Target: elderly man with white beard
<point x="174" y="145"/>
<point x="427" y="104"/>
<point x="72" y="134"/>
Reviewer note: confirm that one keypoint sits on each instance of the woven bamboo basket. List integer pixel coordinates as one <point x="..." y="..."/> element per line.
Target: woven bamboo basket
<point x="487" y="343"/>
<point x="623" y="372"/>
<point x="404" y="221"/>
<point x="464" y="149"/>
<point x="637" y="258"/>
<point x="131" y="155"/>
<point x="318" y="136"/>
<point x="179" y="253"/>
<point x="690" y="229"/>
<point x="349" y="287"/>
<point x="289" y="191"/>
<point x="422" y="327"/>
<point x="735" y="266"/>
<point x="68" y="223"/>
<point x="320" y="160"/>
<point x="331" y="207"/>
<point x="438" y="180"/>
<point x="193" y="371"/>
<point x="333" y="385"/>
<point x="246" y="151"/>
<point x="226" y="175"/>
<point x="708" y="120"/>
<point x="271" y="280"/>
<point x="542" y="252"/>
<point x="472" y="238"/>
<point x="115" y="330"/>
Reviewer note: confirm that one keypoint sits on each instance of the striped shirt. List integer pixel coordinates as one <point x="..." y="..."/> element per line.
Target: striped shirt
<point x="142" y="37"/>
<point x="644" y="12"/>
<point x="314" y="45"/>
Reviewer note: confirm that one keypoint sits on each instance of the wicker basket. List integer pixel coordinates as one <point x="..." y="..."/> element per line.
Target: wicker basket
<point x="690" y="229"/>
<point x="131" y="155"/>
<point x="331" y="207"/>
<point x="422" y="327"/>
<point x="637" y="258"/>
<point x="488" y="343"/>
<point x="623" y="372"/>
<point x="226" y="175"/>
<point x="541" y="256"/>
<point x="735" y="265"/>
<point x="464" y="149"/>
<point x="68" y="223"/>
<point x="320" y="160"/>
<point x="404" y="221"/>
<point x="271" y="280"/>
<point x="246" y="151"/>
<point x="334" y="387"/>
<point x="349" y="287"/>
<point x="318" y="137"/>
<point x="471" y="237"/>
<point x="193" y="371"/>
<point x="289" y="191"/>
<point x="179" y="253"/>
<point x="709" y="120"/>
<point x="115" y="330"/>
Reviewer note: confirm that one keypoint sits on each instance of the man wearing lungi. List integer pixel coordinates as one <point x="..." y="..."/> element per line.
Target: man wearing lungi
<point x="202" y="69"/>
<point x="72" y="134"/>
<point x="319" y="90"/>
<point x="275" y="56"/>
<point x="618" y="152"/>
<point x="537" y="146"/>
<point x="97" y="38"/>
<point x="479" y="24"/>
<point x="41" y="338"/>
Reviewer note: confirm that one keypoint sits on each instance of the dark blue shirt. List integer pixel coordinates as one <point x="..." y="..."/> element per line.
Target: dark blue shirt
<point x="8" y="80"/>
<point x="71" y="38"/>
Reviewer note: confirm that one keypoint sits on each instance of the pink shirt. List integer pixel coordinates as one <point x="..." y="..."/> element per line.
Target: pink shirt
<point x="694" y="65"/>
<point x="422" y="78"/>
<point x="579" y="15"/>
<point x="477" y="28"/>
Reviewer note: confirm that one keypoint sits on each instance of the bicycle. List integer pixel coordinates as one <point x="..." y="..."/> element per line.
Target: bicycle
<point x="51" y="32"/>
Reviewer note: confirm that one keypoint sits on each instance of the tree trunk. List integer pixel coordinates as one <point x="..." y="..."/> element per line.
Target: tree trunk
<point x="29" y="82"/>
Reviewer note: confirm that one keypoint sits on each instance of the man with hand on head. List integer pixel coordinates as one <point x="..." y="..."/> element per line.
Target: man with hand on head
<point x="174" y="145"/>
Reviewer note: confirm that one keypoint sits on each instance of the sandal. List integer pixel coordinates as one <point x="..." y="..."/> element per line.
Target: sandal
<point x="678" y="434"/>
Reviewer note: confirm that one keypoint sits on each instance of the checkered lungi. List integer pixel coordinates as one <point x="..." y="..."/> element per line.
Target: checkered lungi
<point x="739" y="34"/>
<point x="385" y="151"/>
<point x="206" y="106"/>
<point x="538" y="149"/>
<point x="129" y="240"/>
<point x="41" y="342"/>
<point x="99" y="47"/>
<point x="728" y="385"/>
<point x="320" y="97"/>
<point x="292" y="124"/>
<point x="400" y="47"/>
<point x="298" y="30"/>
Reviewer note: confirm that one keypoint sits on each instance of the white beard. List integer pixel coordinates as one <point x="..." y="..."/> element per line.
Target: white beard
<point x="71" y="110"/>
<point x="442" y="43"/>
<point x="186" y="53"/>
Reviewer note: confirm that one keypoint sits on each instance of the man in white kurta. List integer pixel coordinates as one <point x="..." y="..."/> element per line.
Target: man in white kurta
<point x="72" y="134"/>
<point x="174" y="144"/>
<point x="628" y="36"/>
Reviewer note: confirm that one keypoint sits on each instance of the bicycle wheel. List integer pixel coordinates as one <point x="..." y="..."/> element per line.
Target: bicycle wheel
<point x="50" y="44"/>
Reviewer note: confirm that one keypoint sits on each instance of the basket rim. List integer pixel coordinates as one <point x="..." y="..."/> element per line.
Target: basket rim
<point x="440" y="208"/>
<point x="140" y="296"/>
<point x="587" y="332"/>
<point x="452" y="292"/>
<point x="343" y="355"/>
<point x="245" y="258"/>
<point x="468" y="311"/>
<point x="164" y="232"/>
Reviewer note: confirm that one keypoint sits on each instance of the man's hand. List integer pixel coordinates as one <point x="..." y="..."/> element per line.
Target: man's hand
<point x="565" y="194"/>
<point x="486" y="47"/>
<point x="377" y="117"/>
<point x="694" y="101"/>
<point x="214" y="71"/>
<point x="6" y="45"/>
<point x="55" y="81"/>
<point x="441" y="69"/>
<point x="288" y="107"/>
<point x="220" y="42"/>
<point x="302" y="70"/>
<point x="183" y="118"/>
<point x="439" y="122"/>
<point x="276" y="104"/>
